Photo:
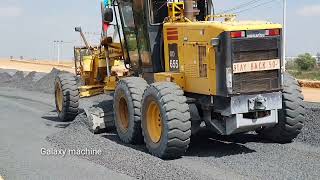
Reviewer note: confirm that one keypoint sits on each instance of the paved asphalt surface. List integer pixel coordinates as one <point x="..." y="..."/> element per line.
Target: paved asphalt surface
<point x="22" y="135"/>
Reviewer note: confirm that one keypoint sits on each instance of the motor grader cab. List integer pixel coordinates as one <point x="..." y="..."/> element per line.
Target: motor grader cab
<point x="189" y="67"/>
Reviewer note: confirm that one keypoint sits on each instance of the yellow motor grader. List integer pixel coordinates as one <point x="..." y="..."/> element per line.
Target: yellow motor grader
<point x="188" y="66"/>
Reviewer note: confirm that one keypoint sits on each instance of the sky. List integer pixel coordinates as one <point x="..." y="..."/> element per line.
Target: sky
<point x="29" y="27"/>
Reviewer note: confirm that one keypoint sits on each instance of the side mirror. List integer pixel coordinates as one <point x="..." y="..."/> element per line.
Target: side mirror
<point x="77" y="29"/>
<point x="108" y="15"/>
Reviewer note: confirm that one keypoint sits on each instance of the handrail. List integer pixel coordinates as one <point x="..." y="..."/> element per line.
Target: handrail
<point x="228" y="17"/>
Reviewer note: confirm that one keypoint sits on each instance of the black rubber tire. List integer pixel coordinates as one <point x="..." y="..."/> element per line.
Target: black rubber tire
<point x="71" y="96"/>
<point x="176" y="120"/>
<point x="131" y="89"/>
<point x="292" y="115"/>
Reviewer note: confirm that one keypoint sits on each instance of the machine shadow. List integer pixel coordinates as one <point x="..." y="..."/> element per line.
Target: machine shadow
<point x="206" y="144"/>
<point x="112" y="135"/>
<point x="52" y="120"/>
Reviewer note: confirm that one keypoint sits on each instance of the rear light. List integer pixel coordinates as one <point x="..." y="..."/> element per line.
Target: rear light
<point x="273" y="32"/>
<point x="238" y="34"/>
<point x="229" y="79"/>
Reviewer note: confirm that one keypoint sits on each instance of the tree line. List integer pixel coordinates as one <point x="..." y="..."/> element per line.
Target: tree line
<point x="304" y="62"/>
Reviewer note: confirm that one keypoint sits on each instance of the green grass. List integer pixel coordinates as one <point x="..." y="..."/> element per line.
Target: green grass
<point x="309" y="75"/>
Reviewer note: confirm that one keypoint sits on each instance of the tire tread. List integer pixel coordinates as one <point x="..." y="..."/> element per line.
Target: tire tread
<point x="291" y="117"/>
<point x="177" y="118"/>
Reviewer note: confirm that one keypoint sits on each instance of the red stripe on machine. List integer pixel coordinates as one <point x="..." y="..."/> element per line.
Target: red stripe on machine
<point x="172" y="32"/>
<point x="172" y="38"/>
<point x="172" y="29"/>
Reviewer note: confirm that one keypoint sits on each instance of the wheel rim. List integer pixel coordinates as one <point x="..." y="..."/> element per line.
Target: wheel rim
<point x="59" y="97"/>
<point x="123" y="115"/>
<point x="154" y="122"/>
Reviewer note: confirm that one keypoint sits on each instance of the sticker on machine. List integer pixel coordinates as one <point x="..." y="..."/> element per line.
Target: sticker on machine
<point x="173" y="57"/>
<point x="256" y="66"/>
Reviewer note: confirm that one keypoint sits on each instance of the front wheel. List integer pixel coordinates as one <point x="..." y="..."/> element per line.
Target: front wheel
<point x="127" y="109"/>
<point x="166" y="121"/>
<point x="66" y="96"/>
<point x="292" y="115"/>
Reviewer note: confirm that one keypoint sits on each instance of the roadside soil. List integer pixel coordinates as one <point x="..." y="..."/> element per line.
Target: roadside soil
<point x="311" y="94"/>
<point x="38" y="66"/>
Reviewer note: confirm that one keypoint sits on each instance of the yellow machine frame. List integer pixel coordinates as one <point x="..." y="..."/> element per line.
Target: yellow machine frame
<point x="197" y="55"/>
<point x="197" y="60"/>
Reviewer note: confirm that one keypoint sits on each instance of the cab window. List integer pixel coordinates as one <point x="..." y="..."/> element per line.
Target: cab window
<point x="158" y="11"/>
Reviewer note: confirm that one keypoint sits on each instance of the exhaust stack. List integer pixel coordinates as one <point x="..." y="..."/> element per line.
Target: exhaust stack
<point x="189" y="12"/>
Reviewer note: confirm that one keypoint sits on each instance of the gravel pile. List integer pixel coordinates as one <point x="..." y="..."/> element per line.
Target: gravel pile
<point x="4" y="77"/>
<point x="14" y="81"/>
<point x="27" y="82"/>
<point x="17" y="77"/>
<point x="33" y="81"/>
<point x="254" y="158"/>
<point x="46" y="83"/>
<point x="117" y="157"/>
<point x="30" y="76"/>
<point x="311" y="130"/>
<point x="243" y="156"/>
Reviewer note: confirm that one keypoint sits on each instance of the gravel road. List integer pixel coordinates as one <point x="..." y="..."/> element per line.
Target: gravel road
<point x="244" y="156"/>
<point x="26" y="119"/>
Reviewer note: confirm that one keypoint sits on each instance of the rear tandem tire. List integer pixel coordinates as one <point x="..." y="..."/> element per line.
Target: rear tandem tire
<point x="127" y="109"/>
<point x="66" y="96"/>
<point x="291" y="117"/>
<point x="166" y="121"/>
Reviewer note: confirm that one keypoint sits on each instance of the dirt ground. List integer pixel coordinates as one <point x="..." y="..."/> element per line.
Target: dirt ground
<point x="311" y="94"/>
<point x="38" y="66"/>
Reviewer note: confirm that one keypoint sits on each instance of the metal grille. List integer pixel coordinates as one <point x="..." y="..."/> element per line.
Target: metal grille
<point x="247" y="50"/>
<point x="203" y="72"/>
<point x="255" y="56"/>
<point x="256" y="81"/>
<point x="255" y="44"/>
<point x="191" y="70"/>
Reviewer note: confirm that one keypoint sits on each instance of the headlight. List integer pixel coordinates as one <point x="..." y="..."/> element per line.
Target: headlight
<point x="215" y="42"/>
<point x="229" y="79"/>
